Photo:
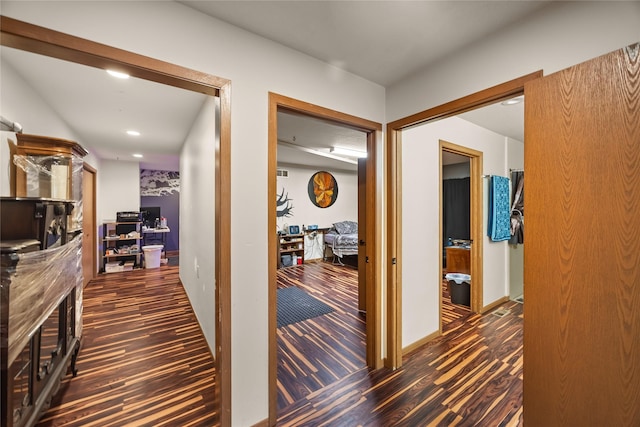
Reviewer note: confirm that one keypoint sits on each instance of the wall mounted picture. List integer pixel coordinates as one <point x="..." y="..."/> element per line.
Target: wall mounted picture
<point x="322" y="189"/>
<point x="156" y="183"/>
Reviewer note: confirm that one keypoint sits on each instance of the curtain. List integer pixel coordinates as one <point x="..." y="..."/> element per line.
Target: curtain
<point x="456" y="205"/>
<point x="517" y="208"/>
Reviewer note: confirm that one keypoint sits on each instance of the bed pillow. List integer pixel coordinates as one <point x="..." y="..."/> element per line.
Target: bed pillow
<point x="346" y="227"/>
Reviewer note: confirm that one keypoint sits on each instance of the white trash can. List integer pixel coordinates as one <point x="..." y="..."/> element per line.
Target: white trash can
<point x="152" y="255"/>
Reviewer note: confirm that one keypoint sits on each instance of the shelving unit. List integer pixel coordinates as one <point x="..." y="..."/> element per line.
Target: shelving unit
<point x="293" y="245"/>
<point x="121" y="246"/>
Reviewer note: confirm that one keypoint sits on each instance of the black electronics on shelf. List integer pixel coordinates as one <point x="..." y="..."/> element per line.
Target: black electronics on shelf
<point x="149" y="215"/>
<point x="128" y="217"/>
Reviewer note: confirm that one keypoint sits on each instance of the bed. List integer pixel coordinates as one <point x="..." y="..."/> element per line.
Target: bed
<point x="342" y="239"/>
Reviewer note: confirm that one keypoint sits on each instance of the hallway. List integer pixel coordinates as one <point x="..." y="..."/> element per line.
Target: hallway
<point x="143" y="361"/>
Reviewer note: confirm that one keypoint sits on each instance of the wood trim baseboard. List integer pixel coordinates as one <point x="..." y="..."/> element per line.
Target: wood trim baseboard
<point x="263" y="423"/>
<point x="422" y="341"/>
<point x="494" y="304"/>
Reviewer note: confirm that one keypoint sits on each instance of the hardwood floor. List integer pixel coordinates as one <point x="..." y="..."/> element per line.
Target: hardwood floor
<point x="144" y="360"/>
<point x="471" y="375"/>
<point x="451" y="312"/>
<point x="319" y="351"/>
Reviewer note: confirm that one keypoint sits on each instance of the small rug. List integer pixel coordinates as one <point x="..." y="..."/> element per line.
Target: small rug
<point x="295" y="305"/>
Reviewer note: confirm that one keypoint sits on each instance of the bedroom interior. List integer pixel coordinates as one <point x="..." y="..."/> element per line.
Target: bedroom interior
<point x="317" y="276"/>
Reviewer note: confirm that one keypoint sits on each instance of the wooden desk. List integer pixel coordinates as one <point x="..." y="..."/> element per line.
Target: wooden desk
<point x="458" y="260"/>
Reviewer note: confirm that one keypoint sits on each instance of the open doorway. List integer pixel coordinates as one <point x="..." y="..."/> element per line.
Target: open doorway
<point x="398" y="291"/>
<point x="47" y="42"/>
<point x="367" y="233"/>
<point x="456" y="238"/>
<point x="461" y="225"/>
<point x="321" y="333"/>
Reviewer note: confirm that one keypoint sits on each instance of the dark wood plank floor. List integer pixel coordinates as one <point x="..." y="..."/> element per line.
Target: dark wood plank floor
<point x="144" y="360"/>
<point x="470" y="376"/>
<point x="319" y="351"/>
<point x="451" y="312"/>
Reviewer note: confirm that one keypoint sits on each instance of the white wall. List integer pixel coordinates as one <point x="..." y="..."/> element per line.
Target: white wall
<point x="119" y="188"/>
<point x="560" y="35"/>
<point x="421" y="241"/>
<point x="255" y="66"/>
<point x="456" y="171"/>
<point x="304" y="211"/>
<point x="197" y="208"/>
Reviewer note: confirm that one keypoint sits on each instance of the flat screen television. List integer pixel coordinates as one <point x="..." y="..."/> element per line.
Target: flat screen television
<point x="149" y="215"/>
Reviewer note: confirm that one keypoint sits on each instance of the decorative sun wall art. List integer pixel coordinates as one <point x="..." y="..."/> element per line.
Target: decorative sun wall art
<point x="322" y="189"/>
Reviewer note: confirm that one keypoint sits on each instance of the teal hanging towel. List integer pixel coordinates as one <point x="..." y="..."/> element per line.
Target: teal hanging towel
<point x="499" y="209"/>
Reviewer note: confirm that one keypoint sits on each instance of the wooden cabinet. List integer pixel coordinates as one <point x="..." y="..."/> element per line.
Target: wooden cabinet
<point x="50" y="168"/>
<point x="121" y="248"/>
<point x="291" y="250"/>
<point x="40" y="305"/>
<point x="458" y="260"/>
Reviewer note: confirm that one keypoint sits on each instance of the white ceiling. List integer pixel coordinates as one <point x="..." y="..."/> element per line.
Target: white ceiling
<point x="382" y="41"/>
<point x="407" y="36"/>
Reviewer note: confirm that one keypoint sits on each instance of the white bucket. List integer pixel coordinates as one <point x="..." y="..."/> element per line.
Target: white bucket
<point x="152" y="255"/>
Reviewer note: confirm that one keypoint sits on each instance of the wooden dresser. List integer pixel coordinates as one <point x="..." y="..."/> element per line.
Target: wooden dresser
<point x="458" y="259"/>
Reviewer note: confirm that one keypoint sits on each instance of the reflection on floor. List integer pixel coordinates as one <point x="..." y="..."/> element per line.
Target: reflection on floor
<point x="317" y="352"/>
<point x="450" y="311"/>
<point x="469" y="376"/>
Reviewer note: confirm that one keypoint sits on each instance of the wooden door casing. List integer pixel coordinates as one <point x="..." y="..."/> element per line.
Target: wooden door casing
<point x="89" y="242"/>
<point x="362" y="218"/>
<point x="582" y="253"/>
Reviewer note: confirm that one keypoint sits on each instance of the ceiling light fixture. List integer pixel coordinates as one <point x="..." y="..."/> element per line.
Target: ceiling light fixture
<point x="133" y="133"/>
<point x="513" y="101"/>
<point x="139" y="156"/>
<point x="349" y="152"/>
<point x="118" y="74"/>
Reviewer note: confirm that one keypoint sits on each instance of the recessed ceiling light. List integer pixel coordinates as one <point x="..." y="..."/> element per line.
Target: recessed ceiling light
<point x="513" y="101"/>
<point x="118" y="74"/>
<point x="133" y="133"/>
<point x="349" y="152"/>
<point x="139" y="156"/>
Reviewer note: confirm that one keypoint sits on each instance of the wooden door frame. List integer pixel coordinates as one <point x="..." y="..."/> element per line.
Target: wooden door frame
<point x="32" y="38"/>
<point x="479" y="99"/>
<point x="373" y="288"/>
<point x="475" y="183"/>
<point x="94" y="253"/>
